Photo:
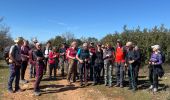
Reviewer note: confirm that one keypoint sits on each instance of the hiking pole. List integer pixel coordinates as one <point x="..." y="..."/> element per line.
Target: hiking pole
<point x="85" y="78"/>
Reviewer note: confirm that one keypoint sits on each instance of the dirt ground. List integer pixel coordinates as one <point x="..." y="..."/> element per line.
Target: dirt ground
<point x="60" y="90"/>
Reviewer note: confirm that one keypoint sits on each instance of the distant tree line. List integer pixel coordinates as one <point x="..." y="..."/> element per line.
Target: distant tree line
<point x="143" y="38"/>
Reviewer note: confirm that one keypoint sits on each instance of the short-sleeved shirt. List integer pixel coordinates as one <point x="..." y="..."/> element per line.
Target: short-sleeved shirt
<point x="15" y="51"/>
<point x="73" y="52"/>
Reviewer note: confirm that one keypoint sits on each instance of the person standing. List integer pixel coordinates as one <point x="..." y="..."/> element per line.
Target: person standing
<point x="47" y="50"/>
<point x="52" y="62"/>
<point x="25" y="58"/>
<point x="62" y="58"/>
<point x="39" y="68"/>
<point x="131" y="58"/>
<point x="83" y="56"/>
<point x="98" y="65"/>
<point x="155" y="69"/>
<point x="108" y="65"/>
<point x="32" y="59"/>
<point x="120" y="54"/>
<point x="137" y="62"/>
<point x="71" y="54"/>
<point x="92" y="58"/>
<point x="15" y="64"/>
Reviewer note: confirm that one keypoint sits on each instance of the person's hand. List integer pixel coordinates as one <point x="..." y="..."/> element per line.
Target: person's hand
<point x="153" y="63"/>
<point x="149" y="63"/>
<point x="28" y="56"/>
<point x="86" y="60"/>
<point x="17" y="64"/>
<point x="81" y="61"/>
<point x="132" y="61"/>
<point x="125" y="65"/>
<point x="91" y="54"/>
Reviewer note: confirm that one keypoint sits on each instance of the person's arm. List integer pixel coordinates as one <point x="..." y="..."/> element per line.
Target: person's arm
<point x="159" y="60"/>
<point x="77" y="56"/>
<point x="11" y="53"/>
<point x="137" y="57"/>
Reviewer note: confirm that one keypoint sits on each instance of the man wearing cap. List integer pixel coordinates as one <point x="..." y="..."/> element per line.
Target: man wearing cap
<point x="131" y="58"/>
<point x="83" y="57"/>
<point x="120" y="63"/>
<point x="155" y="68"/>
<point x="39" y="68"/>
<point x="15" y="64"/>
<point x="92" y="59"/>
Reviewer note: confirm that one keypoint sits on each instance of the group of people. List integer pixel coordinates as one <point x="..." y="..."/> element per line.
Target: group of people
<point x="94" y="62"/>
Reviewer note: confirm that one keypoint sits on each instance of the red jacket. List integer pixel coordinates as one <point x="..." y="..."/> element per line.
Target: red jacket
<point x="119" y="54"/>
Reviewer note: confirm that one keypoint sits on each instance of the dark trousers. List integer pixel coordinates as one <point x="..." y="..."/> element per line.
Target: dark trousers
<point x="83" y="70"/>
<point x="23" y="69"/>
<point x="96" y="74"/>
<point x="153" y="77"/>
<point x="46" y="65"/>
<point x="14" y="73"/>
<point x="39" y="75"/>
<point x="91" y="70"/>
<point x="132" y="76"/>
<point x="119" y="72"/>
<point x="32" y="70"/>
<point x="52" y="68"/>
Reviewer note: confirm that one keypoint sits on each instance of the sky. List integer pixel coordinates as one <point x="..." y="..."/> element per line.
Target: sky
<point x="46" y="19"/>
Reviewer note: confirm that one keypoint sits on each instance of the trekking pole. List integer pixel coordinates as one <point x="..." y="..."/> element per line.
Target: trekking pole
<point x="85" y="78"/>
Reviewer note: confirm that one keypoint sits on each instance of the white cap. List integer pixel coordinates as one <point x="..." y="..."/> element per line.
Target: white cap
<point x="156" y="47"/>
<point x="129" y="44"/>
<point x="85" y="44"/>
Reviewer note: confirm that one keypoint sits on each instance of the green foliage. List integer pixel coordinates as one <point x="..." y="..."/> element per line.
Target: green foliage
<point x="144" y="39"/>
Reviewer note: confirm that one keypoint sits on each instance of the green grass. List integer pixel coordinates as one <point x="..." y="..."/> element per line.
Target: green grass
<point x="3" y="76"/>
<point x="141" y="94"/>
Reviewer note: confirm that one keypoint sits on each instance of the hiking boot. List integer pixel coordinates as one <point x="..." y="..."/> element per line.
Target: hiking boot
<point x="24" y="81"/>
<point x="151" y="87"/>
<point x="37" y="93"/>
<point x="18" y="90"/>
<point x="117" y="85"/>
<point x="155" y="90"/>
<point x="130" y="88"/>
<point x="121" y="86"/>
<point x="69" y="83"/>
<point x="94" y="84"/>
<point x="10" y="91"/>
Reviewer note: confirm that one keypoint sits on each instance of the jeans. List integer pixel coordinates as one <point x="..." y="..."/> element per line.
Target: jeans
<point x="83" y="70"/>
<point x="14" y="73"/>
<point x="132" y="76"/>
<point x="32" y="70"/>
<point x="61" y="64"/>
<point x="119" y="72"/>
